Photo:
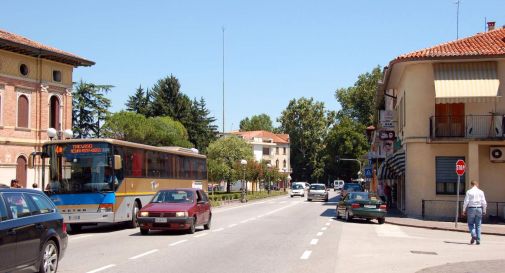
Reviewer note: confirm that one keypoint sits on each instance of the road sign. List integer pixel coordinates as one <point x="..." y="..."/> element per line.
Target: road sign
<point x="460" y="167"/>
<point x="368" y="172"/>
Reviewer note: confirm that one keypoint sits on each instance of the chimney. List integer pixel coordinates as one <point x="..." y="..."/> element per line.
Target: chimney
<point x="490" y="26"/>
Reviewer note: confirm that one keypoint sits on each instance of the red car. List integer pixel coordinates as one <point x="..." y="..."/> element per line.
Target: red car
<point x="176" y="209"/>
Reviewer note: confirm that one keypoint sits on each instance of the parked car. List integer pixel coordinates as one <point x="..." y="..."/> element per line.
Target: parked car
<point x="33" y="236"/>
<point x="362" y="205"/>
<point x="176" y="209"/>
<point x="297" y="189"/>
<point x="317" y="191"/>
<point x="350" y="187"/>
<point x="338" y="185"/>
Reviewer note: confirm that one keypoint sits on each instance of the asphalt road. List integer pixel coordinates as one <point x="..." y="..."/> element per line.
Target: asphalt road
<point x="280" y="234"/>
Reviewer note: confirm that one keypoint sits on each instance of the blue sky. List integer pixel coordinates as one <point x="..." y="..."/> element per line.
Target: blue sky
<point x="274" y="50"/>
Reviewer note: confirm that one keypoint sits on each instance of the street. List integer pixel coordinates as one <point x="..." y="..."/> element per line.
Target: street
<point x="280" y="234"/>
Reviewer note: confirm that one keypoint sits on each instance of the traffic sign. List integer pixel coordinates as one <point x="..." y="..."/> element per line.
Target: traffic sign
<point x="460" y="167"/>
<point x="368" y="173"/>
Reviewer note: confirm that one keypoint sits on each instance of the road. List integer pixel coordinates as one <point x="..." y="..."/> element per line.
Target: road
<point x="280" y="234"/>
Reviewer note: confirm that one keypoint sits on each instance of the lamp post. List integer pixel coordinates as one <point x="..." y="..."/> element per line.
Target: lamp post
<point x="243" y="194"/>
<point x="269" y="166"/>
<point x="288" y="179"/>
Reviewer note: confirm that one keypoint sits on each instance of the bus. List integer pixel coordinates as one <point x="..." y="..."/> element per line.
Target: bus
<point x="96" y="181"/>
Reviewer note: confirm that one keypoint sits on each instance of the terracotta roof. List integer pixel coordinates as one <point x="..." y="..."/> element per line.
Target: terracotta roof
<point x="490" y="44"/>
<point x="19" y="44"/>
<point x="249" y="135"/>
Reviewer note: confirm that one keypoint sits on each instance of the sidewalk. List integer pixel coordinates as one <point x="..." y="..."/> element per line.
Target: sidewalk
<point x="489" y="229"/>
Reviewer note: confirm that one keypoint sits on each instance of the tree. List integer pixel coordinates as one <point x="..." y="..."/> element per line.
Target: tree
<point x="358" y="101"/>
<point x="257" y="123"/>
<point x="201" y="129"/>
<point x="139" y="103"/>
<point x="167" y="100"/>
<point x="89" y="108"/>
<point x="223" y="156"/>
<point x="307" y="123"/>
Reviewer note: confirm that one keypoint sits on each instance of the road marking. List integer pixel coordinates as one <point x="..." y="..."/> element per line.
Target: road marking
<point x="324" y="228"/>
<point x="232" y="225"/>
<point x="178" y="242"/>
<point x="101" y="268"/>
<point x="314" y="241"/>
<point x="259" y="216"/>
<point x="251" y="219"/>
<point x="282" y="202"/>
<point x="327" y="224"/>
<point x="306" y="255"/>
<point x="200" y="235"/>
<point x="241" y="206"/>
<point x="144" y="254"/>
<point x="80" y="237"/>
<point x="319" y="234"/>
<point x="245" y="221"/>
<point x="218" y="230"/>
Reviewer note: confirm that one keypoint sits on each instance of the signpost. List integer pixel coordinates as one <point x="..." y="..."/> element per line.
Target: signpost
<point x="460" y="171"/>
<point x="368" y="172"/>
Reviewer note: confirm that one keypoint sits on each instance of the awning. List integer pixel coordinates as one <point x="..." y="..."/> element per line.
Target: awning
<point x="393" y="166"/>
<point x="466" y="82"/>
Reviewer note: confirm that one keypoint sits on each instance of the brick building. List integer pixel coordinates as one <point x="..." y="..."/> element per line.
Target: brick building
<point x="35" y="94"/>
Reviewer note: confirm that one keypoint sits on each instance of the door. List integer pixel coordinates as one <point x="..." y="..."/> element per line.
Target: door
<point x="450" y="120"/>
<point x="7" y="240"/>
<point x="21" y="171"/>
<point x="200" y="208"/>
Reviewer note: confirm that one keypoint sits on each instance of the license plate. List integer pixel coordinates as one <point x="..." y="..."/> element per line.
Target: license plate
<point x="160" y="220"/>
<point x="370" y="206"/>
<point x="74" y="217"/>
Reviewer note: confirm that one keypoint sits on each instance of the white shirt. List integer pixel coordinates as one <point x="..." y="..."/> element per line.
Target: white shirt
<point x="475" y="198"/>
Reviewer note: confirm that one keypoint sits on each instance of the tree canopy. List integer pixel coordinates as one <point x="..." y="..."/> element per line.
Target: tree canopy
<point x="257" y="123"/>
<point x="139" y="102"/>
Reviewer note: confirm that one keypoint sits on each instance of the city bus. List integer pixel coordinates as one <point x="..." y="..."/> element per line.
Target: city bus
<point x="96" y="181"/>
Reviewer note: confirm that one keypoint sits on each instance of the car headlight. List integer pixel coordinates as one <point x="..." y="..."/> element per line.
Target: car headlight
<point x="144" y="214"/>
<point x="181" y="214"/>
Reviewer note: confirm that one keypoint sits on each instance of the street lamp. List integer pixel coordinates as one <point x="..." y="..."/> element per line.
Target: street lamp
<point x="288" y="179"/>
<point x="269" y="166"/>
<point x="243" y="194"/>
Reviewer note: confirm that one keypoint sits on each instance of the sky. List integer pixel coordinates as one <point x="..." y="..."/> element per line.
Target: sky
<point x="274" y="51"/>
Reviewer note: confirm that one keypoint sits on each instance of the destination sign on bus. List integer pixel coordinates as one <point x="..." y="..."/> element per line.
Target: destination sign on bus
<point x="85" y="148"/>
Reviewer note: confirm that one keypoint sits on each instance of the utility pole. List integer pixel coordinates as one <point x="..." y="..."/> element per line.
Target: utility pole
<point x="223" y="78"/>
<point x="457" y="19"/>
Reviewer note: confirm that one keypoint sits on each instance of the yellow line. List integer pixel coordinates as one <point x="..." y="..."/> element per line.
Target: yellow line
<point x="135" y="193"/>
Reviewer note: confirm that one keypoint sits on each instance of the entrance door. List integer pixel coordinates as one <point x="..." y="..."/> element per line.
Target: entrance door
<point x="21" y="171"/>
<point x="450" y="120"/>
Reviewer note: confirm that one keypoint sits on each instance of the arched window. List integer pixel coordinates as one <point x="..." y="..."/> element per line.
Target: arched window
<point x="21" y="171"/>
<point x="277" y="163"/>
<point x="23" y="110"/>
<point x="54" y="113"/>
<point x="284" y="163"/>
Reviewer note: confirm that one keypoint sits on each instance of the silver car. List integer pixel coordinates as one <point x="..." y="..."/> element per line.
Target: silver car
<point x="317" y="191"/>
<point x="297" y="189"/>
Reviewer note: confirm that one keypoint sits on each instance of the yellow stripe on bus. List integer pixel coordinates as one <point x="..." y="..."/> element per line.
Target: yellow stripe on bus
<point x="135" y="193"/>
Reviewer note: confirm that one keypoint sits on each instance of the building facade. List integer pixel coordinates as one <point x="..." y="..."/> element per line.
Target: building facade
<point x="35" y="94"/>
<point x="448" y="105"/>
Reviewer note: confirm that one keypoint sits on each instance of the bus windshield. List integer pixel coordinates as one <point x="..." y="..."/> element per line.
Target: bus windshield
<point x="79" y="168"/>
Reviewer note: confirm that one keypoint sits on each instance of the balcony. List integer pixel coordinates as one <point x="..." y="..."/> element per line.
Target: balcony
<point x="468" y="127"/>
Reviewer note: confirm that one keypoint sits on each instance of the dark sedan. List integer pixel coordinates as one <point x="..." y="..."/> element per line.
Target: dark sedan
<point x="362" y="205"/>
<point x="176" y="209"/>
<point x="33" y="236"/>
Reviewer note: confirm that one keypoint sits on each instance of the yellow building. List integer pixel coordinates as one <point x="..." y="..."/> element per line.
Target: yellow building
<point x="447" y="105"/>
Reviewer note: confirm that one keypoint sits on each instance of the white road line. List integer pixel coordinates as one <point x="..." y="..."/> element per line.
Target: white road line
<point x="324" y="228"/>
<point x="143" y="254"/>
<point x="327" y="224"/>
<point x="259" y="216"/>
<point x="218" y="230"/>
<point x="101" y="268"/>
<point x="200" y="235"/>
<point x="79" y="237"/>
<point x="245" y="221"/>
<point x="241" y="206"/>
<point x="319" y="234"/>
<point x="314" y="241"/>
<point x="232" y="225"/>
<point x="306" y="255"/>
<point x="282" y="202"/>
<point x="178" y="242"/>
<point x="251" y="219"/>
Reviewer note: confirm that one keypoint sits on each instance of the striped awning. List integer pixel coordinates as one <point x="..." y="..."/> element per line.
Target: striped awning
<point x="466" y="82"/>
<point x="393" y="166"/>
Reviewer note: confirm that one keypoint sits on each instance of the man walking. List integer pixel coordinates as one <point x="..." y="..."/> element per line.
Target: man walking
<point x="475" y="206"/>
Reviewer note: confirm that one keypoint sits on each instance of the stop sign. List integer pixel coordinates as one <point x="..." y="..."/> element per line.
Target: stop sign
<point x="460" y="167"/>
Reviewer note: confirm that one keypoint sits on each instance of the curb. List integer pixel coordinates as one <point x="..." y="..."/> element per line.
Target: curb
<point x="237" y="203"/>
<point x="439" y="228"/>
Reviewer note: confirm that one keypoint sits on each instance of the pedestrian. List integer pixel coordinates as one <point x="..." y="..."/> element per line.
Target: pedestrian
<point x="380" y="191"/>
<point x="15" y="184"/>
<point x="389" y="197"/>
<point x="474" y="207"/>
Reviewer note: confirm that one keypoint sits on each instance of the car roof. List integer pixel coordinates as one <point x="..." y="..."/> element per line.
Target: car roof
<point x="318" y="184"/>
<point x="181" y="189"/>
<point x="19" y="190"/>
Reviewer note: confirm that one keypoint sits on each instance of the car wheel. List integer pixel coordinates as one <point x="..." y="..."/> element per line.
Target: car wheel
<point x="381" y="220"/>
<point x="192" y="227"/>
<point x="309" y="200"/>
<point x="75" y="228"/>
<point x="144" y="231"/>
<point x="133" y="223"/>
<point x="326" y="200"/>
<point x="207" y="226"/>
<point x="303" y="195"/>
<point x="291" y="196"/>
<point x="348" y="217"/>
<point x="50" y="255"/>
<point x="338" y="215"/>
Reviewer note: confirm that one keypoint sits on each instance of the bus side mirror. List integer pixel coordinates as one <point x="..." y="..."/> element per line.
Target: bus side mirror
<point x="117" y="162"/>
<point x="30" y="160"/>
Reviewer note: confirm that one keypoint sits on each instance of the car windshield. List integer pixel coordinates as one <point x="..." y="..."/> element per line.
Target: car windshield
<point x="317" y="187"/>
<point x="174" y="196"/>
<point x="297" y="187"/>
<point x="352" y="186"/>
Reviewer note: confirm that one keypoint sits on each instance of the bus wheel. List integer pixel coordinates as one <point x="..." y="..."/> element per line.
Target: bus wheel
<point x="144" y="231"/>
<point x="133" y="223"/>
<point x="75" y="228"/>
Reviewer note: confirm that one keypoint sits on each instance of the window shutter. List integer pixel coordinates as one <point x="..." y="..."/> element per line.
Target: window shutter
<point x="446" y="169"/>
<point x="23" y="111"/>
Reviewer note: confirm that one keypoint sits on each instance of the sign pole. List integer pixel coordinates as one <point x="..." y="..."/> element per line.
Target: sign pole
<point x="457" y="204"/>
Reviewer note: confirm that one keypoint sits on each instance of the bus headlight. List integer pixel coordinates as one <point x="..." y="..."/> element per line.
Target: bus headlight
<point x="105" y="208"/>
<point x="181" y="214"/>
<point x="144" y="214"/>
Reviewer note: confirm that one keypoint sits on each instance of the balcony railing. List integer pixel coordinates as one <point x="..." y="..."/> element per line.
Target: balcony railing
<point x="468" y="126"/>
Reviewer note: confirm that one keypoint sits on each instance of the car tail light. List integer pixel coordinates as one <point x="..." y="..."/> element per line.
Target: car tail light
<point x="64" y="227"/>
<point x="355" y="206"/>
<point x="106" y="207"/>
<point x="383" y="207"/>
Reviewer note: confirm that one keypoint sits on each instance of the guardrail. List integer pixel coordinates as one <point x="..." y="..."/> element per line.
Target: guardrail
<point x="445" y="209"/>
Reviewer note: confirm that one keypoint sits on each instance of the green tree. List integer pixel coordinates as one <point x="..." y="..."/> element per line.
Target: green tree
<point x="89" y="108"/>
<point x="358" y="101"/>
<point x="223" y="156"/>
<point x="200" y="126"/>
<point x="257" y="123"/>
<point x="139" y="103"/>
<point x="164" y="131"/>
<point x="307" y="122"/>
<point x="168" y="100"/>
